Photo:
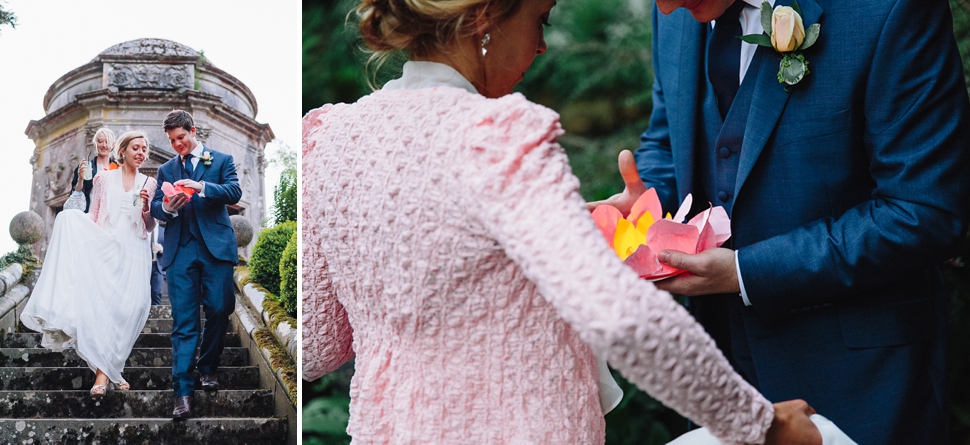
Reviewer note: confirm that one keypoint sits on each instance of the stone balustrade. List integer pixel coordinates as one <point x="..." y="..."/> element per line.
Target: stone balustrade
<point x="13" y="296"/>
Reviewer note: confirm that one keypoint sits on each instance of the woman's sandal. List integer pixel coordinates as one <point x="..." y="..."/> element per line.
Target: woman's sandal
<point x="98" y="391"/>
<point x="123" y="386"/>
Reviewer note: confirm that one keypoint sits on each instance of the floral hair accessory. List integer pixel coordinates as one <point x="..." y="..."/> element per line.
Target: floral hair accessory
<point x="638" y="238"/>
<point x="785" y="32"/>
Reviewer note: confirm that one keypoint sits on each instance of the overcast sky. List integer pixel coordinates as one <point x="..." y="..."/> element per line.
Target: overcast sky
<point x="258" y="42"/>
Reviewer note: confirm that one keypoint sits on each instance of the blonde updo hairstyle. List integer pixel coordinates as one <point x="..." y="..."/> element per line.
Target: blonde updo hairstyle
<point x="424" y="27"/>
<point x="126" y="139"/>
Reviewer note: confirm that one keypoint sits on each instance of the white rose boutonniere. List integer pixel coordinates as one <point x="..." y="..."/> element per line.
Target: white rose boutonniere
<point x="206" y="158"/>
<point x="785" y="32"/>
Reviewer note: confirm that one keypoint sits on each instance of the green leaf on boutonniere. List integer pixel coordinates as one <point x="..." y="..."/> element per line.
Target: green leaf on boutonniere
<point x="792" y="69"/>
<point x="811" y="35"/>
<point x="766" y="12"/>
<point x="757" y="39"/>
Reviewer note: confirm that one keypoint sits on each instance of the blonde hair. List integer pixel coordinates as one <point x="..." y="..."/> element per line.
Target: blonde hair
<point x="108" y="136"/>
<point x="126" y="139"/>
<point x="423" y="27"/>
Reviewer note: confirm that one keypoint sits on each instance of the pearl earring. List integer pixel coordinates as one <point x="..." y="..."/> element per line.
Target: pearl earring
<point x="485" y="40"/>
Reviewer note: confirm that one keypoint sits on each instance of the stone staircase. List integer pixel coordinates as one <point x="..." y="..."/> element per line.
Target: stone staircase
<point x="44" y="396"/>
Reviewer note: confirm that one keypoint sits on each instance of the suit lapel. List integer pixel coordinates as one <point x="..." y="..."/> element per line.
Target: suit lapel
<point x="769" y="99"/>
<point x="684" y="118"/>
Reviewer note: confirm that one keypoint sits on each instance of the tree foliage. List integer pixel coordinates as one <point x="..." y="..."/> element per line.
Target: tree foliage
<point x="7" y="17"/>
<point x="285" y="192"/>
<point x="284" y="197"/>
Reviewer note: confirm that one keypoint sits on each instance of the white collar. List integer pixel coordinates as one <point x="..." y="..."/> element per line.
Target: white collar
<point x="757" y="3"/>
<point x="197" y="151"/>
<point x="418" y="75"/>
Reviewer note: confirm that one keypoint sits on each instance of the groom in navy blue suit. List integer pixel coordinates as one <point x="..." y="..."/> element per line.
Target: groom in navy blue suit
<point x="846" y="191"/>
<point x="200" y="252"/>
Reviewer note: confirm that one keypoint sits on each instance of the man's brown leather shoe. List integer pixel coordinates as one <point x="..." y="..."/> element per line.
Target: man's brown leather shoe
<point x="183" y="408"/>
<point x="209" y="382"/>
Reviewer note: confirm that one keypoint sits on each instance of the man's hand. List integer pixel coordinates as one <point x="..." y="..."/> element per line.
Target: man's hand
<point x="175" y="203"/>
<point x="188" y="183"/>
<point x="792" y="425"/>
<point x="709" y="272"/>
<point x="634" y="186"/>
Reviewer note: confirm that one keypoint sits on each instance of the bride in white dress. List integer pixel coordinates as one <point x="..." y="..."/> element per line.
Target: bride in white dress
<point x="93" y="293"/>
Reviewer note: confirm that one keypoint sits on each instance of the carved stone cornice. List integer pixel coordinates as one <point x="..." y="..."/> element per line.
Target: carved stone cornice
<point x="120" y="76"/>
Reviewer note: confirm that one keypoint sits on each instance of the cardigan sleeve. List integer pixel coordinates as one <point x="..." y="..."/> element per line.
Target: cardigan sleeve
<point x="327" y="333"/>
<point x="524" y="194"/>
<point x="146" y="216"/>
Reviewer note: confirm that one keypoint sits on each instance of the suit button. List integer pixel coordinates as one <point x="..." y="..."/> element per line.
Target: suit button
<point x="725" y="152"/>
<point x="723" y="196"/>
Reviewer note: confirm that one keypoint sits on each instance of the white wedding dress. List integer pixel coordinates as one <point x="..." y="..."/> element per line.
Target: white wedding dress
<point x="93" y="293"/>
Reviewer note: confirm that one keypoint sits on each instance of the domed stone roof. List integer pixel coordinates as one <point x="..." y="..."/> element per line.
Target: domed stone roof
<point x="150" y="49"/>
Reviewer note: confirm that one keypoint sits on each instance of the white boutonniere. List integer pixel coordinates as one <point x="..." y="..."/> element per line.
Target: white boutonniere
<point x="785" y="32"/>
<point x="206" y="158"/>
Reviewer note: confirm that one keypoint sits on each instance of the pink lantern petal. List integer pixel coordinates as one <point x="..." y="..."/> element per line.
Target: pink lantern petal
<point x="644" y="262"/>
<point x="647" y="202"/>
<point x="720" y="222"/>
<point x="168" y="189"/>
<point x="187" y="190"/>
<point x="706" y="240"/>
<point x="666" y="234"/>
<point x="605" y="217"/>
<point x="684" y="209"/>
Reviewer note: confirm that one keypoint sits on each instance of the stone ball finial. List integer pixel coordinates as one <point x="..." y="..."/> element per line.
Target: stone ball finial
<point x="26" y="227"/>
<point x="243" y="228"/>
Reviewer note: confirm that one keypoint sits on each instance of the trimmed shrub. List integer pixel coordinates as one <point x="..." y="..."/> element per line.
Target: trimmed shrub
<point x="288" y="285"/>
<point x="264" y="264"/>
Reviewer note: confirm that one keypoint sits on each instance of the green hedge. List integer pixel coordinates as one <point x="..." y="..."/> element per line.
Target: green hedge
<point x="264" y="265"/>
<point x="288" y="284"/>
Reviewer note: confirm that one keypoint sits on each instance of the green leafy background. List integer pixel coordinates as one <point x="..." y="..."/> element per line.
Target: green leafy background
<point x="597" y="75"/>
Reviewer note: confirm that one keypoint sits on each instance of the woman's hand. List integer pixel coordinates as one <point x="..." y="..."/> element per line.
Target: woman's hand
<point x="792" y="425"/>
<point x="144" y="200"/>
<point x="81" y="168"/>
<point x="634" y="186"/>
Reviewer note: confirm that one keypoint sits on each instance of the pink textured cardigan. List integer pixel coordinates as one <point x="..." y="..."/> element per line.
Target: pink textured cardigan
<point x="446" y="245"/>
<point x="99" y="194"/>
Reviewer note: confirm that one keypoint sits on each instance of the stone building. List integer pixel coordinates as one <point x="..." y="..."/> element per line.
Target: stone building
<point x="131" y="86"/>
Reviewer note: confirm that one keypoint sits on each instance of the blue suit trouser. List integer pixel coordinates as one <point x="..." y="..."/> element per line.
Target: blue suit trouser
<point x="197" y="278"/>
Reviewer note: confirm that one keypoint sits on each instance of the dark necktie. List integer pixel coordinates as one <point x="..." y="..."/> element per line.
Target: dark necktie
<point x="724" y="56"/>
<point x="187" y="159"/>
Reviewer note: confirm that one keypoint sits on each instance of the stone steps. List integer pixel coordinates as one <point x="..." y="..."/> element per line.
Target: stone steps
<point x="160" y="378"/>
<point x="150" y="340"/>
<point x="140" y="357"/>
<point x="210" y="431"/>
<point x="120" y="404"/>
<point x="45" y="396"/>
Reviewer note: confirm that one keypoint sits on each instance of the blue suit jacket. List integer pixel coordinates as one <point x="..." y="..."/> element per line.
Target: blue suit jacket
<point x="221" y="189"/>
<point x="852" y="186"/>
